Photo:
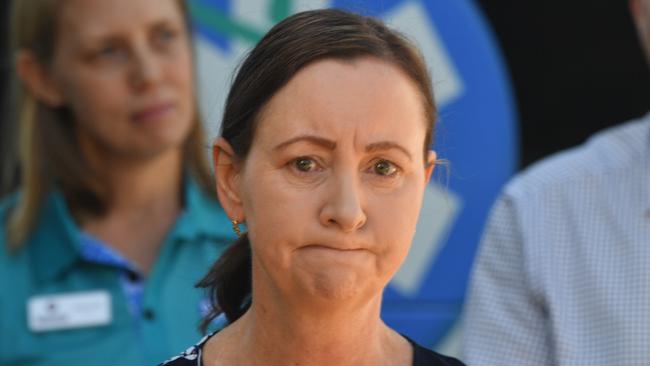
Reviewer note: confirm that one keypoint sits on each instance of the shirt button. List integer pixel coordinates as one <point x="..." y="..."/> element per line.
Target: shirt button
<point x="132" y="276"/>
<point x="148" y="314"/>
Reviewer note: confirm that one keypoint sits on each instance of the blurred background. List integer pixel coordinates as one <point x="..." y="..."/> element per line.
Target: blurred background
<point x="520" y="80"/>
<point x="576" y="67"/>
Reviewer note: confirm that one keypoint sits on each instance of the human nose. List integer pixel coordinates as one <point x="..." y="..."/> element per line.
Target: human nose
<point x="146" y="68"/>
<point x="343" y="207"/>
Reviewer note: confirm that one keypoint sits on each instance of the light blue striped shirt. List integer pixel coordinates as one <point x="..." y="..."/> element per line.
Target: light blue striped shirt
<point x="563" y="273"/>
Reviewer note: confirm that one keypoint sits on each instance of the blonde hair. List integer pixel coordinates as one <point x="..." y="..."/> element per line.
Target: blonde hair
<point x="48" y="153"/>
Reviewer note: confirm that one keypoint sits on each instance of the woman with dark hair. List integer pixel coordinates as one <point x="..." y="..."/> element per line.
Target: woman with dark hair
<point x="324" y="154"/>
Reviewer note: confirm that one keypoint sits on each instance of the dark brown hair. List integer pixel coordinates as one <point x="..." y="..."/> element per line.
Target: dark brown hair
<point x="288" y="47"/>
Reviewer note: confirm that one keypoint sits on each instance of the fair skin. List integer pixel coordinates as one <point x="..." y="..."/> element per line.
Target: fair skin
<point x="641" y="13"/>
<point x="128" y="81"/>
<point x="330" y="192"/>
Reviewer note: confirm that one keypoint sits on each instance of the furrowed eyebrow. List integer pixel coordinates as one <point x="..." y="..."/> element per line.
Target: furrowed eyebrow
<point x="328" y="144"/>
<point x="387" y="145"/>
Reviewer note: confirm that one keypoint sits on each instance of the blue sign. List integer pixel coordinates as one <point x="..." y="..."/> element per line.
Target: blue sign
<point x="476" y="134"/>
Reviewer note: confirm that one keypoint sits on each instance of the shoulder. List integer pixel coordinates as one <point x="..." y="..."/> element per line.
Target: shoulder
<point x="51" y="219"/>
<point x="7" y="204"/>
<point x="617" y="151"/>
<point x="191" y="356"/>
<point x="426" y="357"/>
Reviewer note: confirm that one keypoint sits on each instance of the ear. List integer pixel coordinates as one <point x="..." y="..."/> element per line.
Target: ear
<point x="431" y="163"/>
<point x="228" y="179"/>
<point x="37" y="80"/>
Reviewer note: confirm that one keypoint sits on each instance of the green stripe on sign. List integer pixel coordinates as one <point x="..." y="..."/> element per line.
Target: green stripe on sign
<point x="280" y="9"/>
<point x="219" y="21"/>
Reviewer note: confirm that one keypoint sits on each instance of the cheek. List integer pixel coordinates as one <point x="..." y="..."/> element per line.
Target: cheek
<point x="270" y="208"/>
<point x="179" y="71"/>
<point x="94" y="98"/>
<point x="179" y="81"/>
<point x="279" y="216"/>
<point x="393" y="219"/>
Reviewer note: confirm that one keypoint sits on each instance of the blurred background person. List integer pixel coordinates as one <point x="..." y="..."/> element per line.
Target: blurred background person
<point x="562" y="273"/>
<point x="114" y="220"/>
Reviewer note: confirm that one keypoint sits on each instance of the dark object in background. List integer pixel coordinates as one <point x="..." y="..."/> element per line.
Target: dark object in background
<point x="576" y="66"/>
<point x="6" y="142"/>
<point x="5" y="64"/>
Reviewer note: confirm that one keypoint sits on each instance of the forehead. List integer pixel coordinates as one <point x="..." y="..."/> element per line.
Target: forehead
<point x="367" y="98"/>
<point x="87" y="19"/>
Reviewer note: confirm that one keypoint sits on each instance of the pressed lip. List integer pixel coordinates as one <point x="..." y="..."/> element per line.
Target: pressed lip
<point x="320" y="246"/>
<point x="152" y="112"/>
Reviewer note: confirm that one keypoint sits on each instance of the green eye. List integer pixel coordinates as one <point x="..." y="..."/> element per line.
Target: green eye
<point x="385" y="168"/>
<point x="305" y="164"/>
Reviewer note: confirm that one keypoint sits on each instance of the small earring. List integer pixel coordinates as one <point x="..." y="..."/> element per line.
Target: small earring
<point x="235" y="227"/>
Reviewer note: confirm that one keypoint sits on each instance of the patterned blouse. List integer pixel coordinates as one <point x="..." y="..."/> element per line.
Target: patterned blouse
<point x="421" y="356"/>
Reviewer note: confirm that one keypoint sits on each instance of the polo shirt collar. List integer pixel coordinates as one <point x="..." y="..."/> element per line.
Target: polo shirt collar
<point x="55" y="244"/>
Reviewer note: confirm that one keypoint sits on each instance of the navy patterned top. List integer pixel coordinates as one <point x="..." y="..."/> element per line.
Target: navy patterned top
<point x="421" y="356"/>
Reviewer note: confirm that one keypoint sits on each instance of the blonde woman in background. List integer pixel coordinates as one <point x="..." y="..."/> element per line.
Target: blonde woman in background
<point x="113" y="220"/>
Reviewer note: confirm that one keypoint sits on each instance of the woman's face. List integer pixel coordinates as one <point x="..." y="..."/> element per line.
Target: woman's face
<point x="333" y="184"/>
<point x="124" y="68"/>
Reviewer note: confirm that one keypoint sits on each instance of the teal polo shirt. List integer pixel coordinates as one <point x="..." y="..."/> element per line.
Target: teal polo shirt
<point x="49" y="269"/>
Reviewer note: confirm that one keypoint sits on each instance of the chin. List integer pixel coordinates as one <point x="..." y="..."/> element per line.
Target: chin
<point x="162" y="143"/>
<point x="148" y="152"/>
<point x="335" y="285"/>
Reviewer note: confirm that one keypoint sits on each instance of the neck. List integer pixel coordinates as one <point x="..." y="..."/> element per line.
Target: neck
<point x="281" y="333"/>
<point x="145" y="199"/>
<point x="145" y="186"/>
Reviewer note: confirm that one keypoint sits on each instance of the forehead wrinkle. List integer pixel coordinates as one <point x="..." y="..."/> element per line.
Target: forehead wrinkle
<point x="323" y="115"/>
<point x="387" y="145"/>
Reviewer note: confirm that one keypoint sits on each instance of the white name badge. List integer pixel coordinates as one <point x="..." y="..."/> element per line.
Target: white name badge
<point x="69" y="311"/>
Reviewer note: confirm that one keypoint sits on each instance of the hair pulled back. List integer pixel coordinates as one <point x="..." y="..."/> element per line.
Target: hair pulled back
<point x="292" y="44"/>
